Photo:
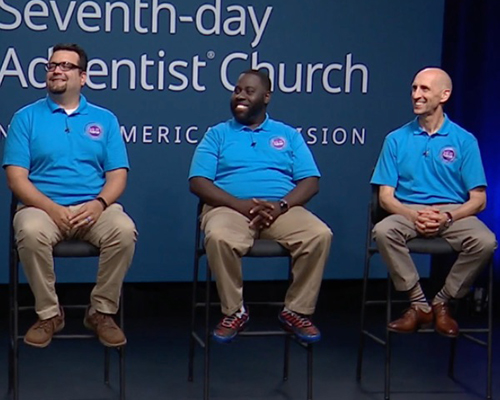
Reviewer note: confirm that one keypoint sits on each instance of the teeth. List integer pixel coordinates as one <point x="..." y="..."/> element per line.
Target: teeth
<point x="241" y="107"/>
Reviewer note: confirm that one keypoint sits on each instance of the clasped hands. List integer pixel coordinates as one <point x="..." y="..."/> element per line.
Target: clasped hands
<point x="429" y="222"/>
<point x="261" y="213"/>
<point x="83" y="218"/>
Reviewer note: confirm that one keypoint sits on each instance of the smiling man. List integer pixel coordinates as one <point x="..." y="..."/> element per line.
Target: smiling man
<point x="432" y="183"/>
<point x="255" y="175"/>
<point x="67" y="164"/>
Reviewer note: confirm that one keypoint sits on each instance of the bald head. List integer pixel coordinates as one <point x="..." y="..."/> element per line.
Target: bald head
<point x="437" y="76"/>
<point x="431" y="89"/>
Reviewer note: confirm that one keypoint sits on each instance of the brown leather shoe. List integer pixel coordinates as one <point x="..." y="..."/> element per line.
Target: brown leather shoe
<point x="443" y="322"/>
<point x="412" y="320"/>
<point x="104" y="326"/>
<point x="40" y="334"/>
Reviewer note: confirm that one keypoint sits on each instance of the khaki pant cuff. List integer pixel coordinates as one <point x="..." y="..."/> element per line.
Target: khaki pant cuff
<point x="301" y="310"/>
<point x="230" y="311"/>
<point x="48" y="312"/>
<point x="104" y="308"/>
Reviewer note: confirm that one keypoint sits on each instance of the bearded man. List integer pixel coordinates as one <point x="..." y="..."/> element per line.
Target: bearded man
<point x="255" y="175"/>
<point x="67" y="164"/>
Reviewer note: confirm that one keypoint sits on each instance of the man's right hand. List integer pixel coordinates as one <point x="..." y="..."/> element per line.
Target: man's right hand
<point x="61" y="216"/>
<point x="425" y="222"/>
<point x="245" y="207"/>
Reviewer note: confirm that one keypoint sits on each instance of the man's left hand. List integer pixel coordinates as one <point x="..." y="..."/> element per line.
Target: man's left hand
<point x="266" y="212"/>
<point x="435" y="223"/>
<point x="87" y="215"/>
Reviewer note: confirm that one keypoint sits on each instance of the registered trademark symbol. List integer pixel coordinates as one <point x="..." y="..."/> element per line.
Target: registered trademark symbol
<point x="210" y="54"/>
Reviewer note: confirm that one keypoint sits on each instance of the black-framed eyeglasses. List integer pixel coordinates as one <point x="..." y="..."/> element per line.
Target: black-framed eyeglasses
<point x="63" y="66"/>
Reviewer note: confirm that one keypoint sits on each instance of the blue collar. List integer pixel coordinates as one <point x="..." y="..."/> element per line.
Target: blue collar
<point x="54" y="107"/>
<point x="443" y="130"/>
<point x="262" y="127"/>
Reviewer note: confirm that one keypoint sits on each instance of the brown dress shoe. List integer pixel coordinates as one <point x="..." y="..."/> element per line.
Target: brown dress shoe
<point x="104" y="326"/>
<point x="40" y="334"/>
<point x="412" y="320"/>
<point x="443" y="322"/>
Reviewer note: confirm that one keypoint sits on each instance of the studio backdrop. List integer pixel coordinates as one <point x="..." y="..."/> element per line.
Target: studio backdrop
<point x="341" y="73"/>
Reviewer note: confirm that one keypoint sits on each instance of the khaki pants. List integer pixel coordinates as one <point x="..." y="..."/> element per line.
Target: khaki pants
<point x="473" y="241"/>
<point x="228" y="237"/>
<point x="36" y="234"/>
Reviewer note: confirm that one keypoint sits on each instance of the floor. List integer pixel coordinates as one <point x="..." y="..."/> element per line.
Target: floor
<point x="249" y="368"/>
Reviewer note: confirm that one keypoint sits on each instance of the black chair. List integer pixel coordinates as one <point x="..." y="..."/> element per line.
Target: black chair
<point x="64" y="249"/>
<point x="261" y="248"/>
<point x="440" y="251"/>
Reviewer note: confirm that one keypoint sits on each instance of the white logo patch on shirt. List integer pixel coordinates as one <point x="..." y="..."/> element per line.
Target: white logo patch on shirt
<point x="448" y="154"/>
<point x="278" y="142"/>
<point x="94" y="130"/>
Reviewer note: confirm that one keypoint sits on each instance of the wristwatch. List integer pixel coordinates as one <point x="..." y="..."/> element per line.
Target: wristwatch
<point x="449" y="221"/>
<point x="283" y="206"/>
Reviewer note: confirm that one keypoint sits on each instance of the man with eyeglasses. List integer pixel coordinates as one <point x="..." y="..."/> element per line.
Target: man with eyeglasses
<point x="67" y="164"/>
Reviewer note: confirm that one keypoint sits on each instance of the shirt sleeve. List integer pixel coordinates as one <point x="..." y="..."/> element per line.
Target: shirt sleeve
<point x="472" y="167"/>
<point x="17" y="149"/>
<point x="386" y="170"/>
<point x="206" y="156"/>
<point x="116" y="152"/>
<point x="304" y="165"/>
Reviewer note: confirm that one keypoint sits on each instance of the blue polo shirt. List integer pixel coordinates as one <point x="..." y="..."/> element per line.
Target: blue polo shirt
<point x="430" y="169"/>
<point x="263" y="163"/>
<point x="67" y="156"/>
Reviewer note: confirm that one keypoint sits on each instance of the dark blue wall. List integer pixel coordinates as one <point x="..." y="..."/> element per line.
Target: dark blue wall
<point x="384" y="42"/>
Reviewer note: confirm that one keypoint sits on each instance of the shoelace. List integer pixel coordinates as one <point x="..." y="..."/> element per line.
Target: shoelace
<point x="104" y="321"/>
<point x="45" y="325"/>
<point x="231" y="321"/>
<point x="298" y="320"/>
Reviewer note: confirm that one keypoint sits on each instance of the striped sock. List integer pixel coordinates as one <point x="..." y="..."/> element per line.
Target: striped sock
<point x="417" y="298"/>
<point x="442" y="297"/>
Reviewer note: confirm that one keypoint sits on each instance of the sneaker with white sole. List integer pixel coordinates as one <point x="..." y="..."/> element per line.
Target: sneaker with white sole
<point x="230" y="325"/>
<point x="300" y="325"/>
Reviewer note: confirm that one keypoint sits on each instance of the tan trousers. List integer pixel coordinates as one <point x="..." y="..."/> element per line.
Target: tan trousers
<point x="36" y="234"/>
<point x="473" y="241"/>
<point x="228" y="237"/>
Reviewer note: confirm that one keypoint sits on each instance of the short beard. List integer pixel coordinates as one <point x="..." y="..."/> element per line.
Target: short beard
<point x="56" y="89"/>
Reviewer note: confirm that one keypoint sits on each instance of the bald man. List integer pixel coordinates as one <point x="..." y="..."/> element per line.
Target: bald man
<point x="431" y="180"/>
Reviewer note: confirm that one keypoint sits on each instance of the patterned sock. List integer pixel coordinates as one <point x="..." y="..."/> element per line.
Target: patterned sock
<point x="442" y="297"/>
<point x="417" y="298"/>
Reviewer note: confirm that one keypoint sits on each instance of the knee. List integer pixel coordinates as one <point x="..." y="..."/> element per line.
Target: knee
<point x="324" y="234"/>
<point x="217" y="236"/>
<point x="32" y="234"/>
<point x="123" y="231"/>
<point x="383" y="231"/>
<point x="487" y="243"/>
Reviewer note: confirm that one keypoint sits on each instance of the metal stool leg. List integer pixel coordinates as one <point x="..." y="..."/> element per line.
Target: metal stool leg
<point x="206" y="380"/>
<point x="388" y="334"/>
<point x="121" y="355"/>
<point x="361" y="345"/>
<point x="192" y="342"/>
<point x="309" y="349"/>
<point x="489" y="394"/>
<point x="106" y="366"/>
<point x="451" y="361"/>
<point x="14" y="325"/>
<point x="286" y="358"/>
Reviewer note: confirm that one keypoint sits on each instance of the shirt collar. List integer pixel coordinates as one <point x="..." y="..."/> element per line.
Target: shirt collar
<point x="54" y="107"/>
<point x="443" y="130"/>
<point x="262" y="127"/>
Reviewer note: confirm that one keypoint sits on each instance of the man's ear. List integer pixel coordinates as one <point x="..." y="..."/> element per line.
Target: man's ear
<point x="445" y="95"/>
<point x="83" y="78"/>
<point x="267" y="97"/>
